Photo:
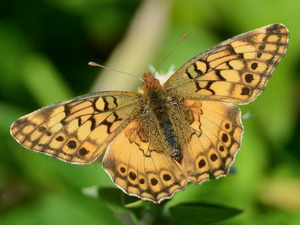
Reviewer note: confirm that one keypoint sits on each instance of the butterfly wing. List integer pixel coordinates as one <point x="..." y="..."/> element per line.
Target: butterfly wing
<point x="77" y="130"/>
<point x="114" y="125"/>
<point x="139" y="162"/>
<point x="234" y="71"/>
<point x="211" y="138"/>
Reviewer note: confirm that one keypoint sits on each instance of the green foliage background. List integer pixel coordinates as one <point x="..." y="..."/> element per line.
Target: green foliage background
<point x="44" y="49"/>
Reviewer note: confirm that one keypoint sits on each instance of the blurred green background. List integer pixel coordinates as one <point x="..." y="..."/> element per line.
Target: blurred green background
<point x="45" y="46"/>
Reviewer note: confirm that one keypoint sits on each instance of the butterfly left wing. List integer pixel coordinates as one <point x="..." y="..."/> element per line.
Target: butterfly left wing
<point x="211" y="137"/>
<point x="234" y="71"/>
<point x="77" y="130"/>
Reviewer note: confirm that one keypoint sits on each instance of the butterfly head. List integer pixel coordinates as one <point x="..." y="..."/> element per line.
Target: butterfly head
<point x="150" y="82"/>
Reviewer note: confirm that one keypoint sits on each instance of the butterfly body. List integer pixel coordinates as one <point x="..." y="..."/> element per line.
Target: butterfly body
<point x="153" y="144"/>
<point x="161" y="105"/>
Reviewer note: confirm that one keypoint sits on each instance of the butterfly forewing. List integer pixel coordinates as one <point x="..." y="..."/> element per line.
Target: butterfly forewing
<point x="79" y="129"/>
<point x="235" y="71"/>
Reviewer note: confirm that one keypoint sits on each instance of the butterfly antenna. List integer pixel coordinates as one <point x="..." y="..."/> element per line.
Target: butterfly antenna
<point x="173" y="49"/>
<point x="105" y="67"/>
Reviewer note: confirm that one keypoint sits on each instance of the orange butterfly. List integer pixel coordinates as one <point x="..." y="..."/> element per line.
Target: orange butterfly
<point x="153" y="144"/>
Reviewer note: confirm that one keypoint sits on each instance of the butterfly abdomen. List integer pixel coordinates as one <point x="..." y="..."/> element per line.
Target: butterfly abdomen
<point x="168" y="133"/>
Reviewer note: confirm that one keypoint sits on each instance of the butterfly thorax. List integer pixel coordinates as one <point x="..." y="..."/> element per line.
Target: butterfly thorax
<point x="158" y="102"/>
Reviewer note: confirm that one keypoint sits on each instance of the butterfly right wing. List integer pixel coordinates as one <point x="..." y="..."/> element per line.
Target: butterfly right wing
<point x="138" y="161"/>
<point x="77" y="130"/>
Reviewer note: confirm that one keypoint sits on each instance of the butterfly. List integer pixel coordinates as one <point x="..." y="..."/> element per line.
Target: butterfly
<point x="153" y="143"/>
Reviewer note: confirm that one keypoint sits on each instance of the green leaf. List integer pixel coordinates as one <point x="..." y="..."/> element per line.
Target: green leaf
<point x="112" y="196"/>
<point x="199" y="213"/>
